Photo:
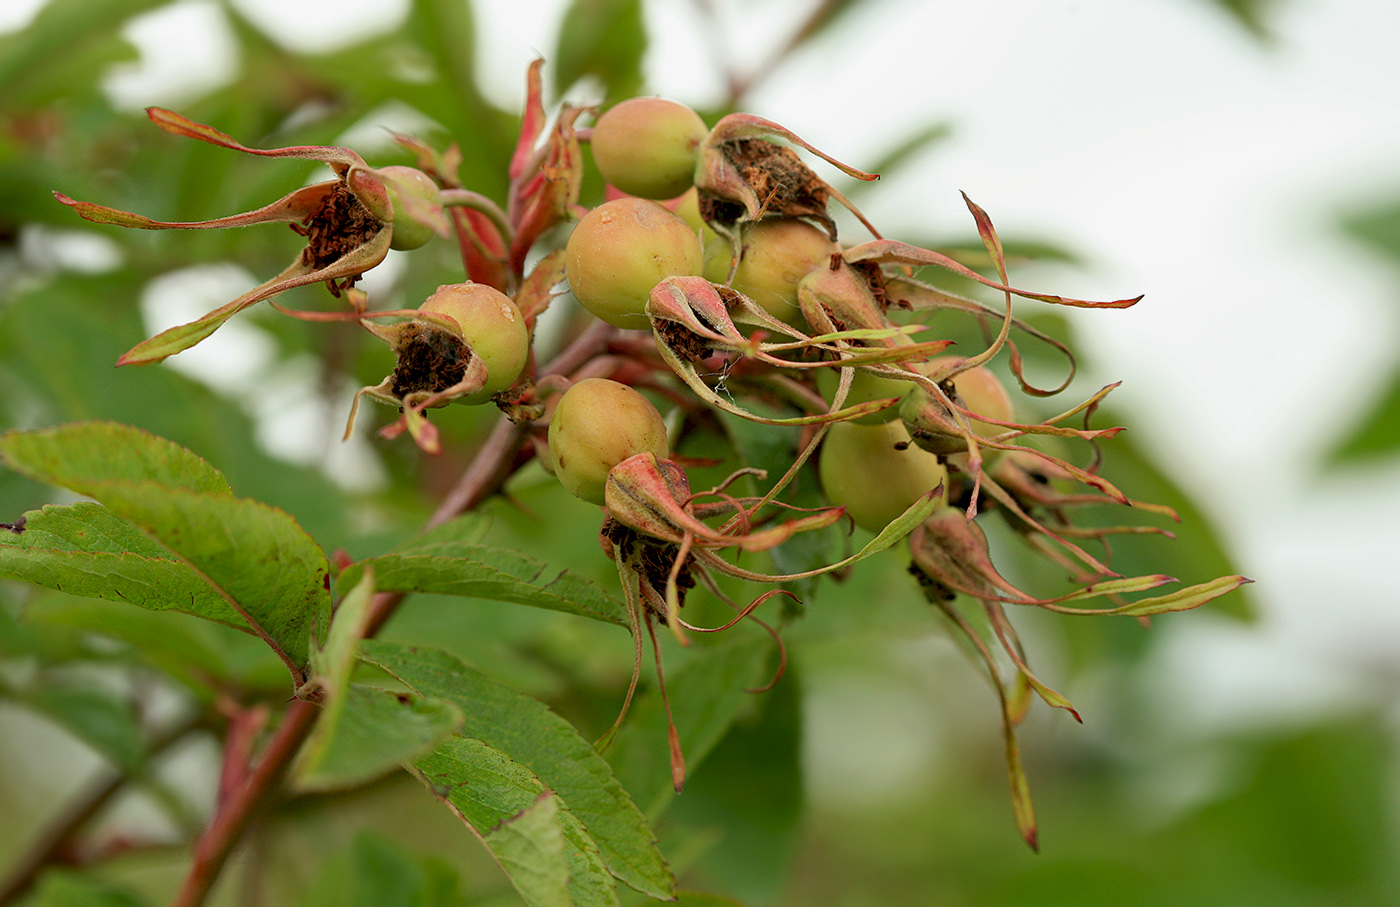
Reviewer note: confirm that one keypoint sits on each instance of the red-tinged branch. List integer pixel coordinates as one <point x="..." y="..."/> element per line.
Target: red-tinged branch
<point x="216" y="844"/>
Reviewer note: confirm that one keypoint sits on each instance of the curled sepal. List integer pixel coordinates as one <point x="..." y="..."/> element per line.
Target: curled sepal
<point x="348" y="223"/>
<point x="888" y="251"/>
<point x="742" y="176"/>
<point x="339" y="159"/>
<point x="951" y="554"/>
<point x="652" y="495"/>
<point x="183" y="336"/>
<point x="909" y="294"/>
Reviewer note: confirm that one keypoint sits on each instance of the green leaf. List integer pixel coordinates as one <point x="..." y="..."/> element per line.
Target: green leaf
<point x="486" y="788"/>
<point x="451" y="567"/>
<point x="376" y="872"/>
<point x="253" y="556"/>
<point x="1377" y="434"/>
<point x="65" y="50"/>
<point x="707" y="693"/>
<point x="333" y="662"/>
<point x="82" y="455"/>
<point x="752" y="789"/>
<point x="87" y="550"/>
<point x="66" y="889"/>
<point x="603" y="38"/>
<point x="367" y="732"/>
<point x="900" y="155"/>
<point x="530" y="848"/>
<point x="1252" y="15"/>
<point x="541" y="741"/>
<point x="697" y="899"/>
<point x="206" y="656"/>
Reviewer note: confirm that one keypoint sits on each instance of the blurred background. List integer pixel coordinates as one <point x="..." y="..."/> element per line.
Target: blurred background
<point x="1238" y="162"/>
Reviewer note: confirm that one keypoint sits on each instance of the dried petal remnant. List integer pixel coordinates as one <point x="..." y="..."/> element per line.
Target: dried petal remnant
<point x="339" y="226"/>
<point x="430" y="360"/>
<point x="786" y="186"/>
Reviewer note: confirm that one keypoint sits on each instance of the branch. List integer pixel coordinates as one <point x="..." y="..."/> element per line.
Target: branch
<point x="213" y="848"/>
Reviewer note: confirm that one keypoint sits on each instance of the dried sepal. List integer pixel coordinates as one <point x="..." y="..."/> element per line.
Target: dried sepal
<point x="348" y="223"/>
<point x="743" y="176"/>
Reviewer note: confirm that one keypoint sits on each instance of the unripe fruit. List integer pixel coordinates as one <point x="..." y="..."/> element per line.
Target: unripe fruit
<point x="863" y="470"/>
<point x="409" y="233"/>
<point x="775" y="256"/>
<point x="981" y="391"/>
<point x="492" y="326"/>
<point x="623" y="248"/>
<point x="598" y="424"/>
<point x="649" y="146"/>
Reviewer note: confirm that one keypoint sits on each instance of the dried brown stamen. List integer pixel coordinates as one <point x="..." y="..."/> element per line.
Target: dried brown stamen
<point x="430" y="360"/>
<point x="341" y="225"/>
<point x="777" y="176"/>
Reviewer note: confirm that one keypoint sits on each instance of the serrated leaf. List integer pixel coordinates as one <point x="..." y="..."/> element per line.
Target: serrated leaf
<point x="255" y="557"/>
<point x="85" y="549"/>
<point x="543" y="742"/>
<point x="448" y="567"/>
<point x="530" y="847"/>
<point x="487" y="788"/>
<point x="79" y="455"/>
<point x="367" y="732"/>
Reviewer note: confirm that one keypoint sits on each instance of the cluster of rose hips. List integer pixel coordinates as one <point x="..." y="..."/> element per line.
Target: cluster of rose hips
<point x="716" y="265"/>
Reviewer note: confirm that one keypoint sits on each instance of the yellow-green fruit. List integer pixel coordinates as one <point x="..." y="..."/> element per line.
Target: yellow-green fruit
<point x="598" y="424"/>
<point x="981" y="391"/>
<point x="648" y="146"/>
<point x="492" y="326"/>
<point x="408" y="232"/>
<point x="623" y="248"/>
<point x="774" y="257"/>
<point x="862" y="470"/>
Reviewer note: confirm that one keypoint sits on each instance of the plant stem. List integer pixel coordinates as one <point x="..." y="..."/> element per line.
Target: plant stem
<point x="213" y="848"/>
